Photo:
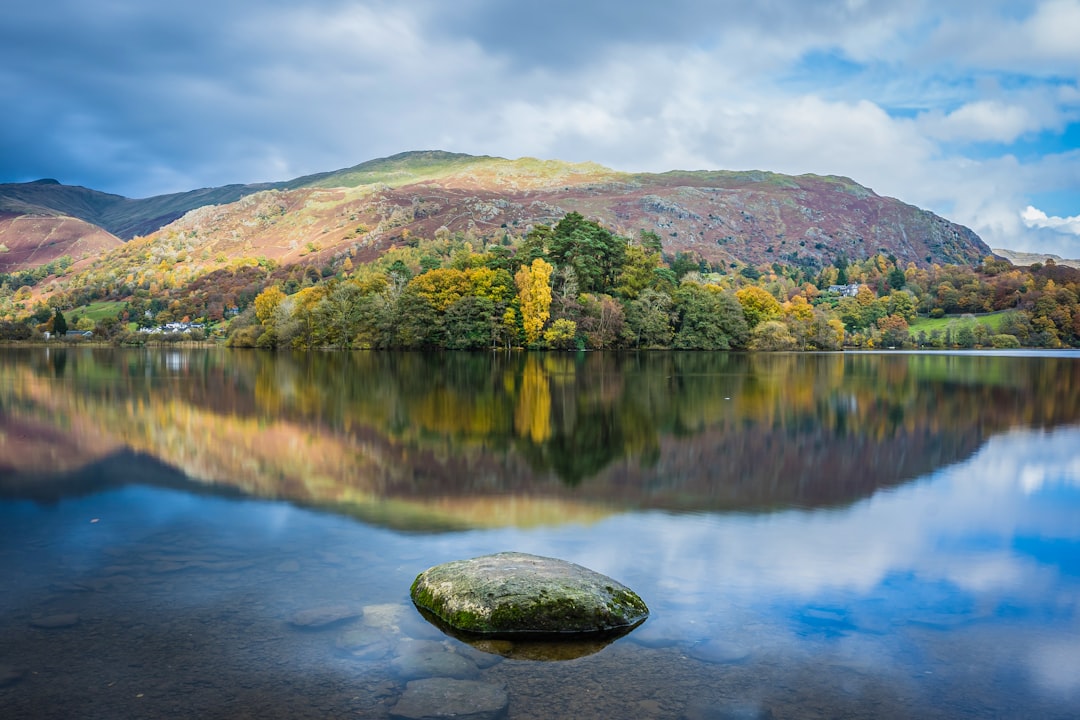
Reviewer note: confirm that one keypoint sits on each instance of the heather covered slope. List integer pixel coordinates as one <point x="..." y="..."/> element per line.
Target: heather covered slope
<point x="722" y="217"/>
<point x="31" y="240"/>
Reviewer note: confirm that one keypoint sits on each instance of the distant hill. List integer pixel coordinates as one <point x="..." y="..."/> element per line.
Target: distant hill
<point x="123" y="217"/>
<point x="30" y="240"/>
<point x="724" y="217"/>
<point x="1024" y="258"/>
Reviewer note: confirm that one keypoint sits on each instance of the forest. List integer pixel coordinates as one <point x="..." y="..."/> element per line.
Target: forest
<point x="573" y="285"/>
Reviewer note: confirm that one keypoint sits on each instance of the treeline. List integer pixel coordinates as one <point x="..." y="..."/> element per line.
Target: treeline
<point x="579" y="285"/>
<point x="12" y="282"/>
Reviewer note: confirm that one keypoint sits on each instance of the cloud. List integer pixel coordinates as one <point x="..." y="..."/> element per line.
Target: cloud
<point x="1033" y="217"/>
<point x="1033" y="37"/>
<point x="983" y="120"/>
<point x="947" y="106"/>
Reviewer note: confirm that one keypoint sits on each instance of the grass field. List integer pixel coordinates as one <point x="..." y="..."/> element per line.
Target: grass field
<point x="98" y="310"/>
<point x="928" y="325"/>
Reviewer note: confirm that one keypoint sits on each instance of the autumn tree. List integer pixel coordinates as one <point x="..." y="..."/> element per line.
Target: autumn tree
<point x="534" y="293"/>
<point x="772" y="335"/>
<point x="758" y="305"/>
<point x="561" y="335"/>
<point x="602" y="320"/>
<point x="894" y="330"/>
<point x="266" y="303"/>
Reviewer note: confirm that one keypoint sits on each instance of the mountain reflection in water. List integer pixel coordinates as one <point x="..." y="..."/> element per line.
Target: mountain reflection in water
<point x="463" y="440"/>
<point x="817" y="536"/>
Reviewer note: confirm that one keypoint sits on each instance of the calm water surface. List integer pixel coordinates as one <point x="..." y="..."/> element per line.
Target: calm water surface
<point x="817" y="536"/>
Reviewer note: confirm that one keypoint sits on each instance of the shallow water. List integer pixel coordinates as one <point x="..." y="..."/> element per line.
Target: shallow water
<point x="816" y="536"/>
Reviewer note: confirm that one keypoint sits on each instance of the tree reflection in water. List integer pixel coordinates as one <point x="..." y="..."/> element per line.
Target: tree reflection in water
<point x="460" y="439"/>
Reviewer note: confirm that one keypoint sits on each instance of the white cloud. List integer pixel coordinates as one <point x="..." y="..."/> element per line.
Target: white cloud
<point x="1030" y="37"/>
<point x="1053" y="30"/>
<point x="890" y="93"/>
<point x="1034" y="217"/>
<point x="983" y="120"/>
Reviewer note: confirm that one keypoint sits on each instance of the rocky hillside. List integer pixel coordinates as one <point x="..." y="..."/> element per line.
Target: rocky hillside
<point x="723" y="217"/>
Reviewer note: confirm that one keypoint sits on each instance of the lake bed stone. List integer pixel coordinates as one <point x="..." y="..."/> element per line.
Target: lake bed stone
<point x="324" y="616"/>
<point x="514" y="593"/>
<point x="444" y="697"/>
<point x="719" y="652"/>
<point x="426" y="659"/>
<point x="363" y="643"/>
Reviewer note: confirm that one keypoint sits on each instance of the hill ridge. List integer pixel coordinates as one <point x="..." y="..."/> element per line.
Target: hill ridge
<point x="730" y="217"/>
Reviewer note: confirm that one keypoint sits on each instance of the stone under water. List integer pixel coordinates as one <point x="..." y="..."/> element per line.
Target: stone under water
<point x="516" y="594"/>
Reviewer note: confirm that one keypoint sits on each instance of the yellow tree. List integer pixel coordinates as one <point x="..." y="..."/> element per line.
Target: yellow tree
<point x="758" y="305"/>
<point x="534" y="291"/>
<point x="267" y="302"/>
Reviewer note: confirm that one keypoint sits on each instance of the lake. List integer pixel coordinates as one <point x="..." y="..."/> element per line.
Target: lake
<point x="233" y="534"/>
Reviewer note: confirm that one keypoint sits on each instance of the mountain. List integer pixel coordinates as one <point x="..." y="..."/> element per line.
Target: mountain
<point x="120" y="216"/>
<point x="724" y="217"/>
<point x="1025" y="258"/>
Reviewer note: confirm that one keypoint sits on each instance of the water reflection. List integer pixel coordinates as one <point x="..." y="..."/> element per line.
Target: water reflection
<point x="461" y="440"/>
<point x="570" y="647"/>
<point x="955" y="595"/>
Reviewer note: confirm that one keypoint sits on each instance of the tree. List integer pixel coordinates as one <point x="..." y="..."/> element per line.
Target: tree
<point x="637" y="272"/>
<point x="772" y="335"/>
<point x="684" y="263"/>
<point x="758" y="305"/>
<point x="602" y="320"/>
<point x="709" y="319"/>
<point x="964" y="335"/>
<point x="442" y="287"/>
<point x="534" y="293"/>
<point x="562" y="334"/>
<point x="826" y="332"/>
<point x="338" y="314"/>
<point x="650" y="320"/>
<point x="471" y="324"/>
<point x="595" y="253"/>
<point x="59" y="323"/>
<point x="266" y="302"/>
<point x="894" y="330"/>
<point x="902" y="303"/>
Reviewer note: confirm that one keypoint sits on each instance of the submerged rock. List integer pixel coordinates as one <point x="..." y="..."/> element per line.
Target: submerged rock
<point x="718" y="651"/>
<point x="363" y="643"/>
<point x="444" y="697"/>
<point x="518" y="594"/>
<point x="426" y="658"/>
<point x="323" y="617"/>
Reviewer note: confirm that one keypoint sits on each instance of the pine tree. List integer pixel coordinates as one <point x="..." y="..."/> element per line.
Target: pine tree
<point x="59" y="323"/>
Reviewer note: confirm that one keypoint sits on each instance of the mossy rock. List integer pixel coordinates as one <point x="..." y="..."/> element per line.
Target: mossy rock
<point x="515" y="594"/>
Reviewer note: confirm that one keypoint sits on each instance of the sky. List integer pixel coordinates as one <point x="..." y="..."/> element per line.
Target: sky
<point x="969" y="108"/>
